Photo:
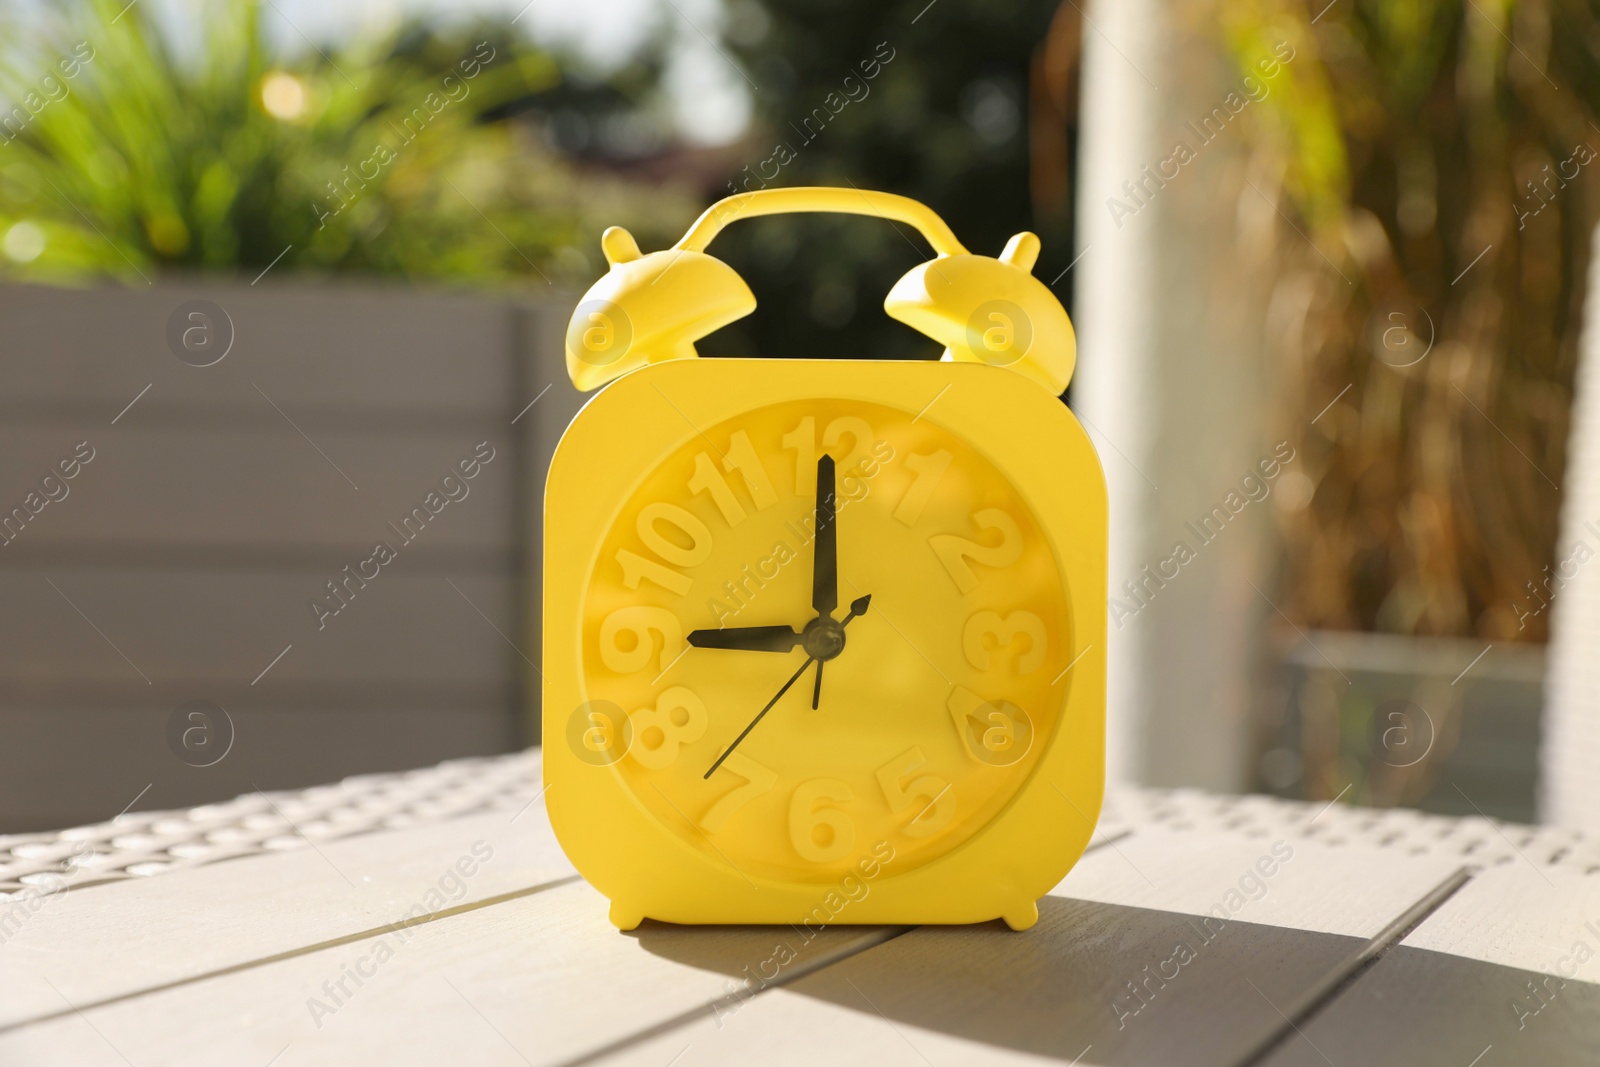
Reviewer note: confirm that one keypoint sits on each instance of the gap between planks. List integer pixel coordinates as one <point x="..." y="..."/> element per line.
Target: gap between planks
<point x="866" y="944"/>
<point x="1301" y="1010"/>
<point x="690" y="1015"/>
<point x="305" y="950"/>
<point x="881" y="937"/>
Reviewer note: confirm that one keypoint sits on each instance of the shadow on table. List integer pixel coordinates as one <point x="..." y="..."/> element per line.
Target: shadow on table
<point x="1149" y="988"/>
<point x="1140" y="986"/>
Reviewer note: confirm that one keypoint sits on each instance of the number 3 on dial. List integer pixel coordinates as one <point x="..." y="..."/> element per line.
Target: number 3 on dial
<point x="1005" y="631"/>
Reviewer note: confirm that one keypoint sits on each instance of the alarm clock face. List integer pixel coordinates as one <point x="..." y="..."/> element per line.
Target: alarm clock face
<point x="791" y="679"/>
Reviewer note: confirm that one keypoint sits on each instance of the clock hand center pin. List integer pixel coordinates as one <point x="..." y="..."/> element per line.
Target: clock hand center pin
<point x="857" y="607"/>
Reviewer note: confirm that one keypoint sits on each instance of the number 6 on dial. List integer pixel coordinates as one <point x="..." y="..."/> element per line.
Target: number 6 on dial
<point x="809" y="814"/>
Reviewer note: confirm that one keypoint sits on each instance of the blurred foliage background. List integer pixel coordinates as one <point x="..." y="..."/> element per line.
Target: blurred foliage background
<point x="1439" y="154"/>
<point x="359" y="156"/>
<point x="1431" y="163"/>
<point x="1434" y="164"/>
<point x="945" y="121"/>
<point x="221" y="156"/>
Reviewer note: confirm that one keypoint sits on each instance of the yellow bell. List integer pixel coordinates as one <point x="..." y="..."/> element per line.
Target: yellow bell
<point x="994" y="311"/>
<point x="649" y="308"/>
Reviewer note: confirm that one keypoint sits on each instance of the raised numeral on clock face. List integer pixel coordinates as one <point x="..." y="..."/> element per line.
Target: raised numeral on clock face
<point x="640" y="622"/>
<point x="636" y="568"/>
<point x="707" y="479"/>
<point x="741" y="457"/>
<point x="678" y="719"/>
<point x="929" y="470"/>
<point x="929" y="797"/>
<point x="954" y="551"/>
<point x="802" y="440"/>
<point x="1005" y="631"/>
<point x="699" y="537"/>
<point x="860" y="433"/>
<point x="819" y="830"/>
<point x="996" y="732"/>
<point x="757" y="780"/>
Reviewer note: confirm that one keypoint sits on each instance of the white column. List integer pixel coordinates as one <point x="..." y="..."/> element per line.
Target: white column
<point x="1112" y="313"/>
<point x="1173" y="381"/>
<point x="1569" y="760"/>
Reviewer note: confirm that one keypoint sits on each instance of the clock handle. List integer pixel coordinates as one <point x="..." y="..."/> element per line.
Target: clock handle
<point x="653" y="307"/>
<point x="824" y="200"/>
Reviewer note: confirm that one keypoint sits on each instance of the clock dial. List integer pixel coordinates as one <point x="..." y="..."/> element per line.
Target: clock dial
<point x="830" y="625"/>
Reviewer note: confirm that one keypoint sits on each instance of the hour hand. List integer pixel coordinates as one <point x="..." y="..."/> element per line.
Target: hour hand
<point x="748" y="638"/>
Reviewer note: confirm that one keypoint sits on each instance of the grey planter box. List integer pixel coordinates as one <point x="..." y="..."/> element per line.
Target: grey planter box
<point x="1437" y="724"/>
<point x="183" y="558"/>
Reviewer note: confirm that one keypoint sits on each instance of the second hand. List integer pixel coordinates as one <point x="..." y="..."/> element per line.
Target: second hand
<point x="857" y="608"/>
<point x="743" y="733"/>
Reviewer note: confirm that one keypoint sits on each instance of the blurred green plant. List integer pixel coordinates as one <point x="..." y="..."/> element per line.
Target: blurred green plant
<point x="1438" y="156"/>
<point x="929" y="101"/>
<point x="388" y="154"/>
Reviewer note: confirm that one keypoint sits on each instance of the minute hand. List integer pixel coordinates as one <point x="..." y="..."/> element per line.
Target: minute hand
<point x="825" y="557"/>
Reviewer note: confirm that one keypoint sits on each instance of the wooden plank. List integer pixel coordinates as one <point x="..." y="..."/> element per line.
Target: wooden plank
<point x="1102" y="979"/>
<point x="333" y="346"/>
<point x="540" y="979"/>
<point x="1507" y="971"/>
<point x="276" y="745"/>
<point x="544" y="980"/>
<point x="545" y="971"/>
<point x="114" y="940"/>
<point x="259" y="490"/>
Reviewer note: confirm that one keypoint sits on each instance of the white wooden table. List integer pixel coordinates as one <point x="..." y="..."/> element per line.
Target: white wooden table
<point x="430" y="918"/>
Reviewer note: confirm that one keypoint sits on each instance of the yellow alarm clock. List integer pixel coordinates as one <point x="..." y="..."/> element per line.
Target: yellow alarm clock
<point x="824" y="639"/>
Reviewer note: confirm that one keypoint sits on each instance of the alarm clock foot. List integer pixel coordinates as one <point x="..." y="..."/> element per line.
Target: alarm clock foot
<point x="624" y="917"/>
<point x="1022" y="916"/>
